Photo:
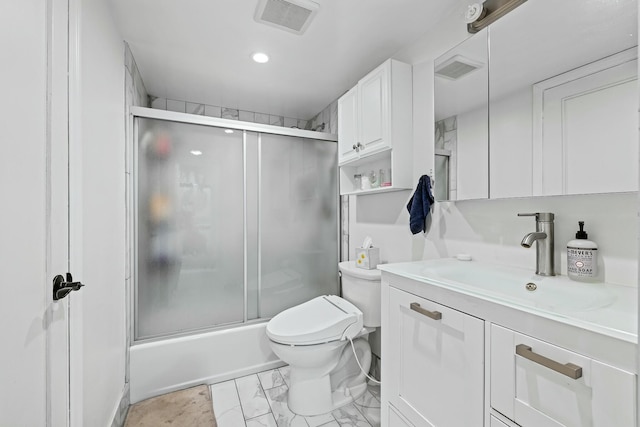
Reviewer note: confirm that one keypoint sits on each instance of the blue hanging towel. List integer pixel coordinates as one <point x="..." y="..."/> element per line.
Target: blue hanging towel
<point x="420" y="204"/>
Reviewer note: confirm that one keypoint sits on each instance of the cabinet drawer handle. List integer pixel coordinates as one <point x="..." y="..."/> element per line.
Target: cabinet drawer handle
<point x="435" y="315"/>
<point x="568" y="369"/>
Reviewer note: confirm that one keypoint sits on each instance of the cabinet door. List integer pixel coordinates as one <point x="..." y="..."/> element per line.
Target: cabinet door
<point x="373" y="97"/>
<point x="348" y="125"/>
<point x="437" y="365"/>
<point x="526" y="385"/>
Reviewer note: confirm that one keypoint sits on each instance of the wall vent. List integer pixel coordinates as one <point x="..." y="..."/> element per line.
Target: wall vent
<point x="289" y="15"/>
<point x="456" y="67"/>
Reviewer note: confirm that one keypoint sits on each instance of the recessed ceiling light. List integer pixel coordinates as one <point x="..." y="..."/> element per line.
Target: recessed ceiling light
<point x="196" y="152"/>
<point x="228" y="131"/>
<point x="260" y="57"/>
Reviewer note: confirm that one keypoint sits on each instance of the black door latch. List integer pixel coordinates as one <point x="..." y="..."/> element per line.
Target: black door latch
<point x="62" y="287"/>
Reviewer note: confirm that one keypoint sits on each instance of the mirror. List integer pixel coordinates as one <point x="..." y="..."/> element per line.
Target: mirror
<point x="562" y="96"/>
<point x="461" y="115"/>
<point x="563" y="99"/>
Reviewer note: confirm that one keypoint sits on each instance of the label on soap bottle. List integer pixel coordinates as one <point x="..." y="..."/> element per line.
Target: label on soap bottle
<point x="582" y="262"/>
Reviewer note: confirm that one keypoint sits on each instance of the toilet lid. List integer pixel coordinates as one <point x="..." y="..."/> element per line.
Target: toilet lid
<point x="323" y="319"/>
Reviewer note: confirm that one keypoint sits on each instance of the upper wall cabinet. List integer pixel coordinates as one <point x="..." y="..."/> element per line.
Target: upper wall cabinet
<point x="374" y="131"/>
<point x="562" y="97"/>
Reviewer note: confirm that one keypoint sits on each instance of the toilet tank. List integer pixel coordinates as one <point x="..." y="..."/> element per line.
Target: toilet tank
<point x="362" y="288"/>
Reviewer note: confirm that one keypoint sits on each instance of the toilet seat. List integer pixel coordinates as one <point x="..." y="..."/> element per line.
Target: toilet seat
<point x="323" y="319"/>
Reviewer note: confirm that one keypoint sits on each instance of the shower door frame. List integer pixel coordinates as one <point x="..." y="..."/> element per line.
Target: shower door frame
<point x="132" y="200"/>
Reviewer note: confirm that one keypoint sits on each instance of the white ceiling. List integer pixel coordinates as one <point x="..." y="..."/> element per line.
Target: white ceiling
<point x="200" y="50"/>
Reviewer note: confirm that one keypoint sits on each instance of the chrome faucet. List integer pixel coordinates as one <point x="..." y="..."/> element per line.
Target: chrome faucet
<point x="544" y="246"/>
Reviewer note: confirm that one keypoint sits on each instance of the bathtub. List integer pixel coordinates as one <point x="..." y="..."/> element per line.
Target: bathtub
<point x="172" y="364"/>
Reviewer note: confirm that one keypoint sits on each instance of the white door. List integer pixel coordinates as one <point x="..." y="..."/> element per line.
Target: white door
<point x="34" y="223"/>
<point x="373" y="93"/>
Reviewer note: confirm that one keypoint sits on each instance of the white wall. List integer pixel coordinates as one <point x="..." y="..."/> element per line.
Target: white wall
<point x="487" y="229"/>
<point x="23" y="78"/>
<point x="103" y="192"/>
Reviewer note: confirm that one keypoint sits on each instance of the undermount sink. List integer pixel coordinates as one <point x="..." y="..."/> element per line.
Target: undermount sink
<point x="557" y="294"/>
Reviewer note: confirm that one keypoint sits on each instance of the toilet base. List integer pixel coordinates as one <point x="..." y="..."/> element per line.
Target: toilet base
<point x="311" y="395"/>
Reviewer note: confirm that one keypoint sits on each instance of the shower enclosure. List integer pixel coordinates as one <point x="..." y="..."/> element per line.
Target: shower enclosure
<point x="233" y="221"/>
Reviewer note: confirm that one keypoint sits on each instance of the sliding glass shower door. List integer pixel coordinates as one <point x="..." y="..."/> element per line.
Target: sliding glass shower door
<point x="231" y="225"/>
<point x="298" y="221"/>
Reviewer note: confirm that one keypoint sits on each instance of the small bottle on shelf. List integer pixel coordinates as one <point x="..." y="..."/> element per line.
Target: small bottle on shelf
<point x="374" y="180"/>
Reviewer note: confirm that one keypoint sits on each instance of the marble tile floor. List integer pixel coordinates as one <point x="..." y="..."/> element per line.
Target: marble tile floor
<point x="261" y="400"/>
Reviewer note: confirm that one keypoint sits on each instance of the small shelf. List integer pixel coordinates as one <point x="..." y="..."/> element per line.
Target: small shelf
<point x="368" y="157"/>
<point x="375" y="191"/>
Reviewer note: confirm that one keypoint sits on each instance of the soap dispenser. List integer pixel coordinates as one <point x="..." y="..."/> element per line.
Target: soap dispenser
<point x="582" y="257"/>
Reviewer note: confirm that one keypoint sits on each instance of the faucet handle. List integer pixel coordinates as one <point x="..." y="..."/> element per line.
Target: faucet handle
<point x="540" y="216"/>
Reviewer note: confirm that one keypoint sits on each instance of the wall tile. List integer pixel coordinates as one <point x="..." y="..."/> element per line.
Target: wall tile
<point x="247" y="116"/>
<point x="276" y="120"/>
<point x="128" y="58"/>
<point x="230" y="113"/>
<point x="290" y="123"/>
<point x="159" y="103"/>
<point x="262" y="118"/>
<point x="333" y="118"/>
<point x="212" y="111"/>
<point x="177" y="106"/>
<point x="195" y="108"/>
<point x="451" y="123"/>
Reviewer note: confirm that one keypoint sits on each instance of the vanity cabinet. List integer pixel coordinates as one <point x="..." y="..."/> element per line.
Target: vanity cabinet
<point x="453" y="355"/>
<point x="539" y="384"/>
<point x="436" y="362"/>
<point x="375" y="128"/>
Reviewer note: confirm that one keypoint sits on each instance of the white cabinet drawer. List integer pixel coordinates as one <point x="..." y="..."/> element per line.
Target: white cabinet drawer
<point x="436" y="365"/>
<point x="538" y="384"/>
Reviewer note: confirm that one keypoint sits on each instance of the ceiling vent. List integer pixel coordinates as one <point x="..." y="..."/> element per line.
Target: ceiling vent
<point x="289" y="15"/>
<point x="456" y="67"/>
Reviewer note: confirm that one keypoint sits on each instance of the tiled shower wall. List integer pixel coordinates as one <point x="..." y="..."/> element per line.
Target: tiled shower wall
<point x="324" y="121"/>
<point x="135" y="92"/>
<point x="226" y="113"/>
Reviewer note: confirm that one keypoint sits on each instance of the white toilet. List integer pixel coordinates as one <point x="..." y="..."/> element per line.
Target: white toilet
<point x="313" y="338"/>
